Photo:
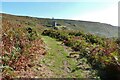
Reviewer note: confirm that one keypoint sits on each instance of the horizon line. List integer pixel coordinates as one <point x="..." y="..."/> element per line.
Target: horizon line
<point x="22" y="15"/>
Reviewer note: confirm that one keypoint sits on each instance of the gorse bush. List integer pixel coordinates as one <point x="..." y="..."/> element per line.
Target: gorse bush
<point x="56" y="34"/>
<point x="76" y="33"/>
<point x="94" y="39"/>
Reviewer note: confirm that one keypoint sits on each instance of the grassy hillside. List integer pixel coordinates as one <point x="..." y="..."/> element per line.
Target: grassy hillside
<point x="34" y="48"/>
<point x="101" y="29"/>
<point x="101" y="53"/>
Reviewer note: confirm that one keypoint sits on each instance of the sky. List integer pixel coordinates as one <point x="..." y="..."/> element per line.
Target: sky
<point x="104" y="12"/>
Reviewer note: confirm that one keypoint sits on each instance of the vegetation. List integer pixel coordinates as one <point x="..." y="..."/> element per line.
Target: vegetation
<point x="97" y="28"/>
<point x="19" y="48"/>
<point x="101" y="53"/>
<point x="32" y="47"/>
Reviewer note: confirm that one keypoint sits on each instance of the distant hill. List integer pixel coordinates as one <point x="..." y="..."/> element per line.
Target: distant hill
<point x="101" y="29"/>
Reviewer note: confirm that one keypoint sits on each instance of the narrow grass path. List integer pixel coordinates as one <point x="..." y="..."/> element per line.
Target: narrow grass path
<point x="57" y="61"/>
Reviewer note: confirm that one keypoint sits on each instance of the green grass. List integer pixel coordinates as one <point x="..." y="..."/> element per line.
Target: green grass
<point x="56" y="57"/>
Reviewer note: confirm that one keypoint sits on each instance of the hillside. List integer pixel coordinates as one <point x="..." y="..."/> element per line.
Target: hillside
<point x="100" y="29"/>
<point x="40" y="48"/>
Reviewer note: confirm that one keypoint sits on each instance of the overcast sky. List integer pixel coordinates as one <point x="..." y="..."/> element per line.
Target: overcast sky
<point x="88" y="10"/>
